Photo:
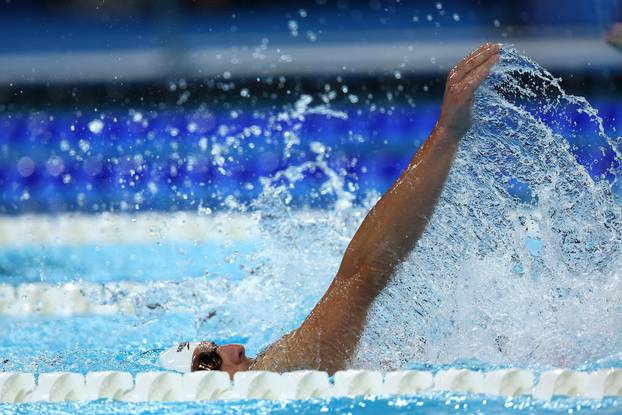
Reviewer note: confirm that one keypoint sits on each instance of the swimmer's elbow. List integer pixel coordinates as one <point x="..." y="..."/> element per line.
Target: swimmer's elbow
<point x="365" y="276"/>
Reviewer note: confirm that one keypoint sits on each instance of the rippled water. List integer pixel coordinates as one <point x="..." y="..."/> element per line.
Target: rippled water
<point x="519" y="264"/>
<point x="431" y="403"/>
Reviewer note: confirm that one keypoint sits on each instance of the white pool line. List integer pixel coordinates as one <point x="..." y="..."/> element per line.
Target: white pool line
<point x="108" y="229"/>
<point x="70" y="298"/>
<point x="18" y="387"/>
<point x="72" y="229"/>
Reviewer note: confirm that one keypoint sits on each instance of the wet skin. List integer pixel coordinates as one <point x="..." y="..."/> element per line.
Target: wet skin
<point x="234" y="358"/>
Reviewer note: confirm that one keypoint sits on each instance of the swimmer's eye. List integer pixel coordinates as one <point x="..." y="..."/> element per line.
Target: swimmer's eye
<point x="206" y="357"/>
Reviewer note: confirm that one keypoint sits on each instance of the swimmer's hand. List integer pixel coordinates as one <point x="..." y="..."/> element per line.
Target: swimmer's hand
<point x="462" y="81"/>
<point x="614" y="37"/>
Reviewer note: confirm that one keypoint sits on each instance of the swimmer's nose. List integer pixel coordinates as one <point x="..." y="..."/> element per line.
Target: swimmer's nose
<point x="235" y="351"/>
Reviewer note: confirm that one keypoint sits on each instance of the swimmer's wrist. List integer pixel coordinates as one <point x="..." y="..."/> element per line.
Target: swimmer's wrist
<point x="445" y="137"/>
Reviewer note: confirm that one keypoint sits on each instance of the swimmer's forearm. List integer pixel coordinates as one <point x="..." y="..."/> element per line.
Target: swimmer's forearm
<point x="392" y="228"/>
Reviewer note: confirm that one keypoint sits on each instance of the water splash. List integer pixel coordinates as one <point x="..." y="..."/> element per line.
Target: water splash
<point x="520" y="262"/>
<point x="285" y="257"/>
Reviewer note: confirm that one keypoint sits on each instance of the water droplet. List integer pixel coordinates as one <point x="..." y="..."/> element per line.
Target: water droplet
<point x="96" y="126"/>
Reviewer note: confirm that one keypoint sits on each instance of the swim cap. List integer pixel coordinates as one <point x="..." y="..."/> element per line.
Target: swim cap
<point x="178" y="357"/>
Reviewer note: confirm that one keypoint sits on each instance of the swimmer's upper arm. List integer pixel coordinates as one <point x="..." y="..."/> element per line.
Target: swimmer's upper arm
<point x="329" y="335"/>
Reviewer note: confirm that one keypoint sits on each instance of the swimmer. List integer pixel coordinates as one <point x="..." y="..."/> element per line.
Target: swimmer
<point x="614" y="37"/>
<point x="328" y="337"/>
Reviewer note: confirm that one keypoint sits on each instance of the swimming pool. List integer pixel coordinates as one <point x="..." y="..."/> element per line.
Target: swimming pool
<point x="529" y="280"/>
<point x="161" y="312"/>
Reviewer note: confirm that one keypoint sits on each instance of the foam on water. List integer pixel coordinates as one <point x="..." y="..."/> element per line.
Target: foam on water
<point x="288" y="277"/>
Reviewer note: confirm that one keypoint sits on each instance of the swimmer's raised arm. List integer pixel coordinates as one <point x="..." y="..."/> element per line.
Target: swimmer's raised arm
<point x="329" y="335"/>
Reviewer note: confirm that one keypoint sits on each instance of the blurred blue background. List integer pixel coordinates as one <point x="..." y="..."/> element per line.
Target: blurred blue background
<point x="119" y="105"/>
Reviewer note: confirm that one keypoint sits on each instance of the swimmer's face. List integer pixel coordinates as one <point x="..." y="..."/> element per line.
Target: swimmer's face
<point x="230" y="358"/>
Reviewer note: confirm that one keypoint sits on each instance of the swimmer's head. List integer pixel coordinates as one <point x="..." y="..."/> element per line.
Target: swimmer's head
<point x="230" y="358"/>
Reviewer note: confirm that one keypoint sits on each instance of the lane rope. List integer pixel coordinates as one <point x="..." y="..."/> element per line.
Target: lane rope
<point x="71" y="298"/>
<point x="169" y="386"/>
<point x="79" y="229"/>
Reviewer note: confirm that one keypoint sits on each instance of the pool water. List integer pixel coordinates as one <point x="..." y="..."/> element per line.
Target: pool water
<point x="519" y="266"/>
<point x="430" y="404"/>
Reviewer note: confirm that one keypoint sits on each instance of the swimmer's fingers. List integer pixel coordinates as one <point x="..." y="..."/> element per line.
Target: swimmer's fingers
<point x="455" y="118"/>
<point x="460" y="69"/>
<point x="470" y="83"/>
<point x="474" y="60"/>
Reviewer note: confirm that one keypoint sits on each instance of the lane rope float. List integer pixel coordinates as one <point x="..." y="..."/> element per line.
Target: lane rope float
<point x="215" y="385"/>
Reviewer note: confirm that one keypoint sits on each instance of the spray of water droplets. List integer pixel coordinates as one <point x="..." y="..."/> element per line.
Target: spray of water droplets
<point x="518" y="265"/>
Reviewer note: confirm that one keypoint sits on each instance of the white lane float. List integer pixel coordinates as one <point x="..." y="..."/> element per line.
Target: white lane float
<point x="7" y="297"/>
<point x="606" y="382"/>
<point x="16" y="387"/>
<point x="70" y="298"/>
<point x="29" y="299"/>
<point x="508" y="382"/>
<point x="459" y="380"/>
<point x="59" y="387"/>
<point x="156" y="387"/>
<point x="305" y="384"/>
<point x="108" y="384"/>
<point x="206" y="386"/>
<point x="107" y="228"/>
<point x="357" y="382"/>
<point x="258" y="385"/>
<point x="561" y="382"/>
<point x="408" y="382"/>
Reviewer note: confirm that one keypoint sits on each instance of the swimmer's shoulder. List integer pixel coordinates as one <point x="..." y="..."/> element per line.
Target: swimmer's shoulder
<point x="284" y="355"/>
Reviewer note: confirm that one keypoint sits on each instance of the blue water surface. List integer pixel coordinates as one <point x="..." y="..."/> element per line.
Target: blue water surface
<point x="133" y="343"/>
<point x="390" y="405"/>
<point x="137" y="262"/>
